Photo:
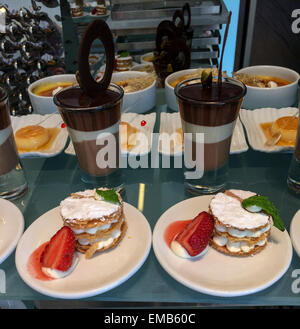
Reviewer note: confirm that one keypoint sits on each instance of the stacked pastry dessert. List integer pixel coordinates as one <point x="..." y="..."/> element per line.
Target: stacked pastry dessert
<point x="76" y="11"/>
<point x="123" y="62"/>
<point x="238" y="231"/>
<point x="96" y="218"/>
<point x="100" y="9"/>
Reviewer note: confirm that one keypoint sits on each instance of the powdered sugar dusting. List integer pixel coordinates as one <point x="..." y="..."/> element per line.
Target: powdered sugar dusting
<point x="86" y="207"/>
<point x="242" y="194"/>
<point x="230" y="212"/>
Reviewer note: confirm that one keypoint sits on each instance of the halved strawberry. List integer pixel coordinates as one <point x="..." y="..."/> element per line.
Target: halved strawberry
<point x="195" y="236"/>
<point x="59" y="253"/>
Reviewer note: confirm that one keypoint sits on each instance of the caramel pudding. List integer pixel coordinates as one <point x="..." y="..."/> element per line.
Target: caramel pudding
<point x="49" y="89"/>
<point x="128" y="136"/>
<point x="211" y="111"/>
<point x="35" y="138"/>
<point x="90" y="120"/>
<point x="8" y="153"/>
<point x="285" y="126"/>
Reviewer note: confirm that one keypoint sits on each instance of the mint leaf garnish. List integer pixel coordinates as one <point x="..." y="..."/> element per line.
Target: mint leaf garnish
<point x="266" y="205"/>
<point x="109" y="196"/>
<point x="124" y="54"/>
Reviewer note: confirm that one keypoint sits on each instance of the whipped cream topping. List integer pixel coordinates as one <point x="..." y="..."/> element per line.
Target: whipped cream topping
<point x="57" y="274"/>
<point x="87" y="207"/>
<point x="181" y="251"/>
<point x="229" y="211"/>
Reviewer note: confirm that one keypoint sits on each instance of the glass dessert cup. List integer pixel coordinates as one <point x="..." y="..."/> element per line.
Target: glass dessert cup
<point x="12" y="179"/>
<point x="93" y="126"/>
<point x="208" y="117"/>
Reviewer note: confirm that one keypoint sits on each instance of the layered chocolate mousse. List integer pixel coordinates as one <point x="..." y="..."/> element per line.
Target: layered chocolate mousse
<point x="8" y="152"/>
<point x="93" y="125"/>
<point x="212" y="111"/>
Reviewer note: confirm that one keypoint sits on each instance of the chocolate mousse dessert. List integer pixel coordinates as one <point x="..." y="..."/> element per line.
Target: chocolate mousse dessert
<point x="88" y="120"/>
<point x="8" y="152"/>
<point x="211" y="111"/>
<point x="92" y="110"/>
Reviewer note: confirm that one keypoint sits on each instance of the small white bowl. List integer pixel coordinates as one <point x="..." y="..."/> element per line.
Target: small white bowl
<point x="138" y="101"/>
<point x="169" y="90"/>
<point x="44" y="104"/>
<point x="146" y="55"/>
<point x="140" y="67"/>
<point x="278" y="97"/>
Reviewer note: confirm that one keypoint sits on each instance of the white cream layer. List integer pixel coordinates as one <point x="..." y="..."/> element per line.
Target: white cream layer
<point x="181" y="252"/>
<point x="86" y="208"/>
<point x="211" y="134"/>
<point x="94" y="230"/>
<point x="103" y="242"/>
<point x="81" y="136"/>
<point x="229" y="211"/>
<point x="5" y="133"/>
<point x="57" y="274"/>
<point x="245" y="233"/>
<point x="236" y="246"/>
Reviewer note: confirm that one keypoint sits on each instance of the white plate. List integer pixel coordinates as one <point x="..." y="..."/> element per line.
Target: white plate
<point x="295" y="232"/>
<point x="215" y="273"/>
<point x="91" y="276"/>
<point x="51" y="121"/>
<point x="252" y="119"/>
<point x="135" y="120"/>
<point x="11" y="228"/>
<point x="169" y="122"/>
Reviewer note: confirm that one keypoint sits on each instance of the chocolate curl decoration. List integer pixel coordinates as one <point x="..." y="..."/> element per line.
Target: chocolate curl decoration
<point x="187" y="8"/>
<point x="180" y="25"/>
<point x="223" y="48"/>
<point x="97" y="29"/>
<point x="165" y="29"/>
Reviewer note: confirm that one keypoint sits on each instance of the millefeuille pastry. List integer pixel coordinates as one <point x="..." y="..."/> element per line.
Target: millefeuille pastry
<point x="96" y="218"/>
<point x="238" y="231"/>
<point x="123" y="61"/>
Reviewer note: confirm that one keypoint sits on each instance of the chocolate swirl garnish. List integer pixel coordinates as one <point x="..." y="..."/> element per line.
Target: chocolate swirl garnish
<point x="187" y="8"/>
<point x="165" y="29"/>
<point x="180" y="24"/>
<point x="97" y="29"/>
<point x="223" y="48"/>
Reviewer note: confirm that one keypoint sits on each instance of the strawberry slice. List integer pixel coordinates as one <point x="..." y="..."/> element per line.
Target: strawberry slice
<point x="59" y="253"/>
<point x="196" y="235"/>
